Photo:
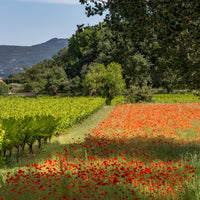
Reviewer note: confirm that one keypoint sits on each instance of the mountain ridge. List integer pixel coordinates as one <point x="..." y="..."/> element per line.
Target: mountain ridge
<point x="14" y="57"/>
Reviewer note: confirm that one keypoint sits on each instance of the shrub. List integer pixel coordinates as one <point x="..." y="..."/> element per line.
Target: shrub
<point x="118" y="100"/>
<point x="3" y="88"/>
<point x="16" y="87"/>
<point x="159" y="90"/>
<point x="137" y="94"/>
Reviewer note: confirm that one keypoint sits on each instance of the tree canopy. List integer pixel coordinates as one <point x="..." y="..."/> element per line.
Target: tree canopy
<point x="46" y="77"/>
<point x="153" y="46"/>
<point x="104" y="81"/>
<point x="174" y="24"/>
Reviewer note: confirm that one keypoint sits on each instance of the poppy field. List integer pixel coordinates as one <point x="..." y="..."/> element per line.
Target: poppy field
<point x="140" y="151"/>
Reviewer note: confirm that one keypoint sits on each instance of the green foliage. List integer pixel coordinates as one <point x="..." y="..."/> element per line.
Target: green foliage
<point x="2" y="134"/>
<point x="16" y="87"/>
<point x="95" y="80"/>
<point x="37" y="120"/>
<point x="15" y="78"/>
<point x="3" y="89"/>
<point x="104" y="81"/>
<point x="137" y="94"/>
<point x="109" y="47"/>
<point x="118" y="100"/>
<point x="169" y="64"/>
<point x="170" y="30"/>
<point x="159" y="90"/>
<point x="83" y="42"/>
<point x="174" y="98"/>
<point x="115" y="83"/>
<point x="137" y="70"/>
<point x="46" y="77"/>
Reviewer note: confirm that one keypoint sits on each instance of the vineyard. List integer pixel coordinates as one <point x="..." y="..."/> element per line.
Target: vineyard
<point x="23" y="121"/>
<point x="141" y="151"/>
<point x="173" y="98"/>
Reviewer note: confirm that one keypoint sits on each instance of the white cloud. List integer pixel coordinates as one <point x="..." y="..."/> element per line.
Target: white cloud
<point x="54" y="1"/>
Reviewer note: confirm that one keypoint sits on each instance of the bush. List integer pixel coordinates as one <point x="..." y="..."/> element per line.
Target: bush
<point x="118" y="100"/>
<point x="196" y="92"/>
<point x="16" y="87"/>
<point x="137" y="94"/>
<point x="159" y="90"/>
<point x="3" y="88"/>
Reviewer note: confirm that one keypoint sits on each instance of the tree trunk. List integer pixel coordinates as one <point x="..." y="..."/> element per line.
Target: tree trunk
<point x="23" y="147"/>
<point x="10" y="153"/>
<point x="17" y="147"/>
<point x="30" y="147"/>
<point x="108" y="100"/>
<point x="4" y="153"/>
<point x="45" y="140"/>
<point x="40" y="143"/>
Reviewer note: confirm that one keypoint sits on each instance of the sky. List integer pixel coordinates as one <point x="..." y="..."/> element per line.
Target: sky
<point x="30" y="22"/>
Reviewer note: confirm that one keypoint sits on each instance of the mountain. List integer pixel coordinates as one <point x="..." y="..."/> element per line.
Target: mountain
<point x="13" y="58"/>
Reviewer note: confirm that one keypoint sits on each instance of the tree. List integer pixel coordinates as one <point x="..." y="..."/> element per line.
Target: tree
<point x="104" y="81"/>
<point x="109" y="46"/>
<point x="137" y="70"/>
<point x="136" y="18"/>
<point x="174" y="23"/>
<point x="35" y="79"/>
<point x="46" y="77"/>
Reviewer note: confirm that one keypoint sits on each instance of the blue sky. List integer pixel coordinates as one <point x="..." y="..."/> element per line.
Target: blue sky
<point x="29" y="22"/>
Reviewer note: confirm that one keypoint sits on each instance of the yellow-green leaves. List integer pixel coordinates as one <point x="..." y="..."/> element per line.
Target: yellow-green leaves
<point x="104" y="81"/>
<point x="2" y="133"/>
<point x="26" y="120"/>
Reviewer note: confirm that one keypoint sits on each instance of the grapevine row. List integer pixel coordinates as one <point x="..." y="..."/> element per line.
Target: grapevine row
<point x="23" y="121"/>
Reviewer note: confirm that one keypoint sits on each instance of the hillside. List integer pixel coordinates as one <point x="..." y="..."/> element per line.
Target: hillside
<point x="13" y="58"/>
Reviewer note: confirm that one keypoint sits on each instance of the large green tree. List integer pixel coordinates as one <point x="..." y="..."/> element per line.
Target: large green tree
<point x="174" y="23"/>
<point x="104" y="81"/>
<point x="46" y="77"/>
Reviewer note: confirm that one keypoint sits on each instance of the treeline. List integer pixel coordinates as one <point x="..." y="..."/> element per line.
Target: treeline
<point x="155" y="42"/>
